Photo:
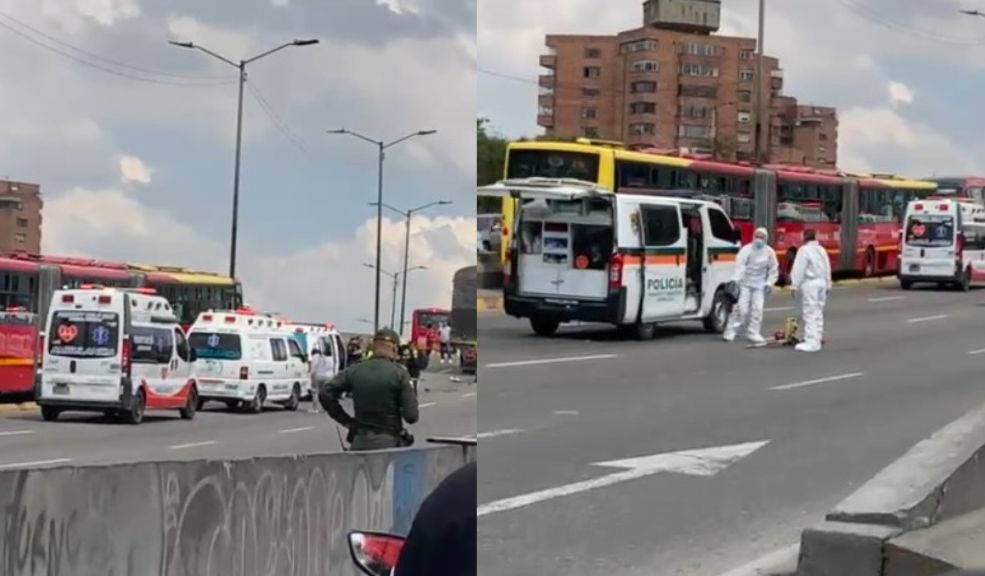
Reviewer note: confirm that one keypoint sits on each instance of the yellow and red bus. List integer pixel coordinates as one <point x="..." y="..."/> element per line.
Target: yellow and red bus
<point x="862" y="212"/>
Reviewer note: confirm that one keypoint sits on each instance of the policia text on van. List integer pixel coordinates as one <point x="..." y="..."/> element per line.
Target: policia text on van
<point x="579" y="252"/>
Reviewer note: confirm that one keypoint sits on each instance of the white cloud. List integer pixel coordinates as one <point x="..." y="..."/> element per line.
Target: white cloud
<point x="899" y="94"/>
<point x="133" y="170"/>
<point x="280" y="3"/>
<point x="399" y="6"/>
<point x="108" y="12"/>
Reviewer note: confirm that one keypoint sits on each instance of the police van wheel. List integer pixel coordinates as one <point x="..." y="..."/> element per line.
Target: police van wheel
<point x="191" y="407"/>
<point x="295" y="400"/>
<point x="644" y="331"/>
<point x="135" y="415"/>
<point x="50" y="413"/>
<point x="721" y="309"/>
<point x="545" y="325"/>
<point x="256" y="405"/>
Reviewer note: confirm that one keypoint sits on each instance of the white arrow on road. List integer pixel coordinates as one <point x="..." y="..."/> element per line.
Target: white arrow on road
<point x="701" y="462"/>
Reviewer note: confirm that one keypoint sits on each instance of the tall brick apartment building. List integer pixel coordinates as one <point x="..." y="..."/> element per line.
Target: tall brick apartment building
<point x="20" y="217"/>
<point x="673" y="84"/>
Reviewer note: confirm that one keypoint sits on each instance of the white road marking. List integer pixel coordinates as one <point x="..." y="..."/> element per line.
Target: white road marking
<point x="819" y="381"/>
<point x="886" y="299"/>
<point x="193" y="445"/>
<point x="552" y="361"/>
<point x="566" y="412"/>
<point x="17" y="433"/>
<point x="293" y="430"/>
<point x="468" y="395"/>
<point x="495" y="433"/>
<point x="426" y="405"/>
<point x="34" y="464"/>
<point x="779" y="309"/>
<point x="976" y="352"/>
<point x="926" y="319"/>
<point x="702" y="462"/>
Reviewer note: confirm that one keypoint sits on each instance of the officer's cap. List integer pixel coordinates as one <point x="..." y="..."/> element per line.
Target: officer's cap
<point x="387" y="335"/>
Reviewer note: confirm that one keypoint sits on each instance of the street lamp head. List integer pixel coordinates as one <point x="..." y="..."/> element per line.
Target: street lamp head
<point x="444" y="202"/>
<point x="971" y="12"/>
<point x="337" y="131"/>
<point x="181" y="44"/>
<point x="368" y="265"/>
<point x="308" y="42"/>
<point x="426" y="132"/>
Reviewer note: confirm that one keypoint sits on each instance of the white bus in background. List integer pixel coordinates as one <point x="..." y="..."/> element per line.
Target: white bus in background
<point x="943" y="242"/>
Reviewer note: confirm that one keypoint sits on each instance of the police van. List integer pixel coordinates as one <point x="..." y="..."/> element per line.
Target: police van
<point x="247" y="360"/>
<point x="119" y="351"/>
<point x="324" y="338"/>
<point x="582" y="253"/>
<point x="943" y="242"/>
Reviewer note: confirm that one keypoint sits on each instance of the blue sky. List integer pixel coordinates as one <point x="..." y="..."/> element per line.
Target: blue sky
<point x="141" y="170"/>
<point x="905" y="75"/>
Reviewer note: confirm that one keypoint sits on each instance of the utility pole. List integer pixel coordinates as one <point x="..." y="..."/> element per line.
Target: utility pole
<point x="759" y="127"/>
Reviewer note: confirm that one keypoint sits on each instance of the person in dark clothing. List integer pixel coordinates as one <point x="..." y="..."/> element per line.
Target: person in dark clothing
<point x="382" y="398"/>
<point x="442" y="540"/>
<point x="412" y="362"/>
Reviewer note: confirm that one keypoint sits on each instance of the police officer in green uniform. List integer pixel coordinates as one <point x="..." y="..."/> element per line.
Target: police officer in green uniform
<point x="382" y="397"/>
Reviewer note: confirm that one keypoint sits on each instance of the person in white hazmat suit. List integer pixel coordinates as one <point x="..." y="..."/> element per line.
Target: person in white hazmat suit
<point x="811" y="280"/>
<point x="756" y="271"/>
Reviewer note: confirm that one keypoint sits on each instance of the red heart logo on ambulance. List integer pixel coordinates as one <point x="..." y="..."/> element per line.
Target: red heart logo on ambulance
<point x="67" y="332"/>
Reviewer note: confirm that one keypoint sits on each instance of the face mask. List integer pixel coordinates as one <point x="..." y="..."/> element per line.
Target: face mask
<point x="759" y="242"/>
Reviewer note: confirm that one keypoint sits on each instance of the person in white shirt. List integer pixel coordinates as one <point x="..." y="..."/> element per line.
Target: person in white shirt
<point x="444" y="333"/>
<point x="811" y="279"/>
<point x="320" y="372"/>
<point x="756" y="271"/>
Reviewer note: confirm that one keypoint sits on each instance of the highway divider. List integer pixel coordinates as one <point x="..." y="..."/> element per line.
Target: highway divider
<point x="287" y="515"/>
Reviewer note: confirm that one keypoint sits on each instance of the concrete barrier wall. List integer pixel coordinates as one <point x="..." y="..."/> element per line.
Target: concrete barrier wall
<point x="283" y="516"/>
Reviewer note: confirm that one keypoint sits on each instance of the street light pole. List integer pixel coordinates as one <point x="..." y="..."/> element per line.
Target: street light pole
<point x="408" y="214"/>
<point x="381" y="147"/>
<point x="758" y="117"/>
<point x="396" y="279"/>
<point x="241" y="69"/>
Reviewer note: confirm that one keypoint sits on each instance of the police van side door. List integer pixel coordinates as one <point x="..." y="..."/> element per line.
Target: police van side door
<point x="664" y="260"/>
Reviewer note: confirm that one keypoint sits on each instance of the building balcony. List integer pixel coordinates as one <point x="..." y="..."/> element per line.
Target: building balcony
<point x="545" y="99"/>
<point x="548" y="61"/>
<point x="545" y="120"/>
<point x="546" y="81"/>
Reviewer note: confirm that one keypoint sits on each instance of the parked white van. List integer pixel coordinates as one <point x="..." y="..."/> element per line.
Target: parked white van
<point x="324" y="338"/>
<point x="943" y="243"/>
<point x="582" y="253"/>
<point x="119" y="351"/>
<point x="247" y="360"/>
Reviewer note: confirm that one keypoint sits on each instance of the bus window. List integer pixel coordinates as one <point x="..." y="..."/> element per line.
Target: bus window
<point x="832" y="202"/>
<point x="552" y="164"/>
<point x="17" y="291"/>
<point x="633" y="175"/>
<point x="875" y="205"/>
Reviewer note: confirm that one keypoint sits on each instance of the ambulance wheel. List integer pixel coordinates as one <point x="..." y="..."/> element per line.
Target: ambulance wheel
<point x="256" y="405"/>
<point x="295" y="400"/>
<point x="721" y="309"/>
<point x="965" y="284"/>
<point x="545" y="325"/>
<point x="50" y="413"/>
<point x="135" y="415"/>
<point x="199" y="403"/>
<point x="905" y="284"/>
<point x="191" y="407"/>
<point x="644" y="331"/>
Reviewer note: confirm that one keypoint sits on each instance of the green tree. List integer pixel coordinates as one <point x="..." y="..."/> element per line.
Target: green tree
<point x="490" y="154"/>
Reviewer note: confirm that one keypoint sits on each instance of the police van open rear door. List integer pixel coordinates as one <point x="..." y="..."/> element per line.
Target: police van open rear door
<point x="563" y="237"/>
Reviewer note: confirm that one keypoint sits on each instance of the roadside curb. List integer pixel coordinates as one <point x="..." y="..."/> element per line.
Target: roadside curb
<point x="495" y="303"/>
<point x="22" y="407"/>
<point x="782" y="562"/>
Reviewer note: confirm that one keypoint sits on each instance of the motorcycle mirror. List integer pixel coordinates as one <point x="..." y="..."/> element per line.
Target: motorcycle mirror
<point x="375" y="553"/>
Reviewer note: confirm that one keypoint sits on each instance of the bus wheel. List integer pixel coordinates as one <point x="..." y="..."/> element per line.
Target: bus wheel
<point x="870" y="263"/>
<point x="965" y="284"/>
<point x="545" y="325"/>
<point x="721" y="309"/>
<point x="50" y="413"/>
<point x="188" y="412"/>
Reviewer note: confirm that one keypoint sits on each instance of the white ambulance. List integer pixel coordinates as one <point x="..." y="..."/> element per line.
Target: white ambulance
<point x="247" y="360"/>
<point x="119" y="351"/>
<point x="943" y="242"/>
<point x="582" y="253"/>
<point x="324" y="338"/>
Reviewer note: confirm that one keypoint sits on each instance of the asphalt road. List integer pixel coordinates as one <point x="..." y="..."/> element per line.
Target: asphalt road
<point x="448" y="408"/>
<point x="897" y="366"/>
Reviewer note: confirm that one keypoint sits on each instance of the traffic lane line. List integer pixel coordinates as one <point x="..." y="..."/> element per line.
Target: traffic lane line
<point x="194" y="445"/>
<point x="35" y="464"/>
<point x="497" y="433"/>
<point x="427" y="405"/>
<point x="468" y="394"/>
<point x="16" y="433"/>
<point x="886" y="299"/>
<point x="542" y="361"/>
<point x="976" y="352"/>
<point x="926" y="319"/>
<point x="805" y="383"/>
<point x="294" y="430"/>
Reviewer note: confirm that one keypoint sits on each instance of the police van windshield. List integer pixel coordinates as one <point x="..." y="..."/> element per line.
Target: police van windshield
<point x="84" y="334"/>
<point x="930" y="230"/>
<point x="216" y="346"/>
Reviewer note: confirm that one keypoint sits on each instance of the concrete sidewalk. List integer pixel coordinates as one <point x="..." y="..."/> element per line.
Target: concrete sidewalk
<point x="21" y="407"/>
<point x="492" y="300"/>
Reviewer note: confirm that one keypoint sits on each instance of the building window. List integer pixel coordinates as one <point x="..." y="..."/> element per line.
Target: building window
<point x="744" y="137"/>
<point x="698" y="91"/>
<point x="646" y="66"/>
<point x="593" y="53"/>
<point x="822" y="150"/>
<point x="745" y="96"/>
<point x="823" y="137"/>
<point x="22" y="222"/>
<point x="643" y="86"/>
<point x="747" y="55"/>
<point x="642" y="108"/>
<point x="590" y="113"/>
<point x="745" y="117"/>
<point x="699" y="49"/>
<point x="590" y="92"/>
<point x="694" y="131"/>
<point x="592" y="72"/>
<point x="590" y="131"/>
<point x="638" y="46"/>
<point x="545" y="111"/>
<point x="642" y="129"/>
<point x="21" y="238"/>
<point x="688" y="69"/>
<point x="695" y="112"/>
<point x="746" y="75"/>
